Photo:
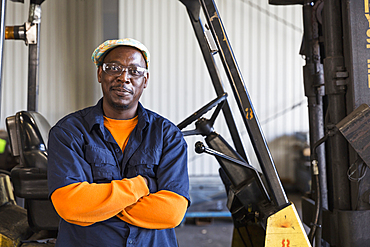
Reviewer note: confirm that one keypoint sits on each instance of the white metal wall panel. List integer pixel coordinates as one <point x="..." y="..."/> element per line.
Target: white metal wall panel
<point x="14" y="81"/>
<point x="70" y="31"/>
<point x="265" y="39"/>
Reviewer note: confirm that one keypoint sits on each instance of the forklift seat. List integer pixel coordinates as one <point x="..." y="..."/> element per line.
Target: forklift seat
<point x="28" y="135"/>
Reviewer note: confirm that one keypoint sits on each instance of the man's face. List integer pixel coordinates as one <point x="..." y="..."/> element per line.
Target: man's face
<point x="122" y="92"/>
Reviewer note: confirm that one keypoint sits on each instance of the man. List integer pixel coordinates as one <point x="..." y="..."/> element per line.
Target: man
<point x="117" y="172"/>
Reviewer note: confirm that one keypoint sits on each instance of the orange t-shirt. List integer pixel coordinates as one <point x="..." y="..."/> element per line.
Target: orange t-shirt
<point x="120" y="129"/>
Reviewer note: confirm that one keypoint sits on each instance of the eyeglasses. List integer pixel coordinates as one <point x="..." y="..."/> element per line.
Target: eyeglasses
<point x="114" y="69"/>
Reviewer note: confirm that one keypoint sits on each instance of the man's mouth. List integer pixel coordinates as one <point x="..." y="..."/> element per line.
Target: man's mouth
<point x="121" y="89"/>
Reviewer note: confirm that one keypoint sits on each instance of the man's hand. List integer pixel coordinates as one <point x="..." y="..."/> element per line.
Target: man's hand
<point x="151" y="183"/>
<point x="146" y="181"/>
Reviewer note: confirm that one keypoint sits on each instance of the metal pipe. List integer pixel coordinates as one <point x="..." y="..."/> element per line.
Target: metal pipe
<point x="314" y="91"/>
<point x="2" y="38"/>
<point x="33" y="60"/>
<point x="337" y="156"/>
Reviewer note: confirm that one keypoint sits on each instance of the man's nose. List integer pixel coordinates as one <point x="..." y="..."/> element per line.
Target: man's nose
<point x="124" y="76"/>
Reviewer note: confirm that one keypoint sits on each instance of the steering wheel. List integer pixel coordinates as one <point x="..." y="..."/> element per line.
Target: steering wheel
<point x="219" y="102"/>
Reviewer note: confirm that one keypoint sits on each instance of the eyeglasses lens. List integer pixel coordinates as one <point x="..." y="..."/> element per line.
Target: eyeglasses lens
<point x="117" y="70"/>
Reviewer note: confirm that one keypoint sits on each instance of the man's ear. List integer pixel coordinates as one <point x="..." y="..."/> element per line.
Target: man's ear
<point x="146" y="80"/>
<point x="99" y="72"/>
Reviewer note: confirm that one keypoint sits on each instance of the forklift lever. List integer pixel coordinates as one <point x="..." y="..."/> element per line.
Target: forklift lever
<point x="201" y="148"/>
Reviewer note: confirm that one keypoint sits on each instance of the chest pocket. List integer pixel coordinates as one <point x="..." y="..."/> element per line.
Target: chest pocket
<point x="103" y="164"/>
<point x="143" y="163"/>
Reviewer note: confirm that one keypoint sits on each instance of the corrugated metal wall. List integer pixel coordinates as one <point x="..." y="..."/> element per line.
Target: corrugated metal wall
<point x="266" y="41"/>
<point x="70" y="31"/>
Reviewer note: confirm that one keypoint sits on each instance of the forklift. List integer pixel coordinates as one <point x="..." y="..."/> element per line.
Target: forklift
<point x="337" y="82"/>
<point x="336" y="43"/>
<point x="27" y="215"/>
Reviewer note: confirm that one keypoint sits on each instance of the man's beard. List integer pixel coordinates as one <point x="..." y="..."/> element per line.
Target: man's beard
<point x="119" y="106"/>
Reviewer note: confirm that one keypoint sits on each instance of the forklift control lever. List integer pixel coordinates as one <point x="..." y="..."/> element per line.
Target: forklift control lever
<point x="200" y="148"/>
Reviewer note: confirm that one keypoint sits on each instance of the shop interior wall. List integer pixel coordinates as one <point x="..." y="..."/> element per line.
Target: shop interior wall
<point x="266" y="42"/>
<point x="70" y="31"/>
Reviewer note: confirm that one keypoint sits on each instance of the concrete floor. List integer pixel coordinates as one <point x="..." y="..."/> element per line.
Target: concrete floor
<point x="217" y="233"/>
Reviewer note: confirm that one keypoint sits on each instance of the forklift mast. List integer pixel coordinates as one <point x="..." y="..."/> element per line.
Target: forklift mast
<point x="337" y="85"/>
<point x="240" y="92"/>
<point x="257" y="201"/>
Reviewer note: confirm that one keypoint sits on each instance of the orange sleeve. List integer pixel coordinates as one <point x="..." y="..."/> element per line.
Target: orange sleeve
<point x="84" y="204"/>
<point x="161" y="210"/>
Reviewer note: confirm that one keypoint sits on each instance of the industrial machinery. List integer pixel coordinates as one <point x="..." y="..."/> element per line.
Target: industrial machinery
<point x="336" y="80"/>
<point x="27" y="131"/>
<point x="261" y="212"/>
<point x="337" y="84"/>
